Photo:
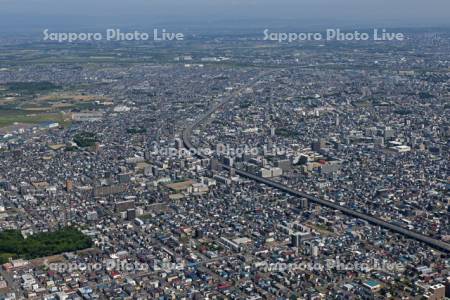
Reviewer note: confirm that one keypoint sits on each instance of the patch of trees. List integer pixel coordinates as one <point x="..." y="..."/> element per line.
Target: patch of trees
<point x="12" y="243"/>
<point x="31" y="87"/>
<point x="136" y="130"/>
<point x="85" y="139"/>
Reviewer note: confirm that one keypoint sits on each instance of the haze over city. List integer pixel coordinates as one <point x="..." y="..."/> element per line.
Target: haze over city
<point x="29" y="14"/>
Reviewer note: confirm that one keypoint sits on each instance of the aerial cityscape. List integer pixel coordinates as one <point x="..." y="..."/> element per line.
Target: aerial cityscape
<point x="223" y="164"/>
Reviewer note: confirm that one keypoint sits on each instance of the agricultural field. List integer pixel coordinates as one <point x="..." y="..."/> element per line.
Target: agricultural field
<point x="36" y="102"/>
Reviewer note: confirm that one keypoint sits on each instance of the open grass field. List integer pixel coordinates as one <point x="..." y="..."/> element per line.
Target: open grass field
<point x="9" y="117"/>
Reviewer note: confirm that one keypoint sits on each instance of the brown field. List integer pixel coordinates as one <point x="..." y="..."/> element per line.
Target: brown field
<point x="72" y="97"/>
<point x="7" y="100"/>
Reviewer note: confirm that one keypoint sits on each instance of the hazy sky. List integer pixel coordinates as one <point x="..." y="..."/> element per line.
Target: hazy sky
<point x="309" y="12"/>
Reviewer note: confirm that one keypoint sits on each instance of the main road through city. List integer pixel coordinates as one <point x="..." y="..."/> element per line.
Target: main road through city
<point x="187" y="133"/>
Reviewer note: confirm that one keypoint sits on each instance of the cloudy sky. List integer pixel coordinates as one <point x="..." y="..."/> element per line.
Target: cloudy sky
<point x="303" y="12"/>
